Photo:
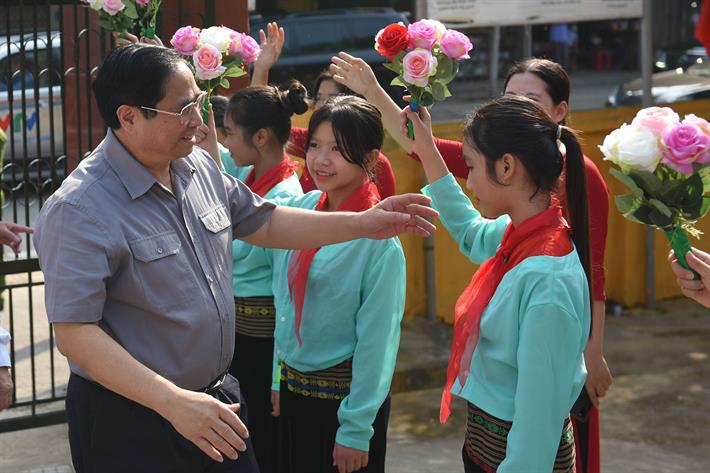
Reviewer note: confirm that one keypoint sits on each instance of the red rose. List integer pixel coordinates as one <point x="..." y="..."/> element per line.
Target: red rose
<point x="391" y="40"/>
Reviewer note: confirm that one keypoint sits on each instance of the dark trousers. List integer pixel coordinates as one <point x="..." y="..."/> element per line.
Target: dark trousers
<point x="252" y="366"/>
<point x="308" y="427"/>
<point x="109" y="433"/>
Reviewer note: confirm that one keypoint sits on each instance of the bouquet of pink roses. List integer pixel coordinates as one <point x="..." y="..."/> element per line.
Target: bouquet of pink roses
<point x="215" y="53"/>
<point x="426" y="57"/>
<point x="665" y="163"/>
<point x="120" y="16"/>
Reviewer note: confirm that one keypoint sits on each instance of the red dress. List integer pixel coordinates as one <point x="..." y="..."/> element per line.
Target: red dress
<point x="385" y="181"/>
<point x="586" y="433"/>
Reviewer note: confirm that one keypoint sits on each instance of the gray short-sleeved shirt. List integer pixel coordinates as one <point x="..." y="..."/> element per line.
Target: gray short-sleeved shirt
<point x="151" y="267"/>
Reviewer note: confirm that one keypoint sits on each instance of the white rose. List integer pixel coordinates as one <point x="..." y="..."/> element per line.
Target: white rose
<point x="95" y="4"/>
<point x="632" y="147"/>
<point x="217" y="36"/>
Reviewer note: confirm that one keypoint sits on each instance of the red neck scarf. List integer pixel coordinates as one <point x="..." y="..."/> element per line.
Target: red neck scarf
<point x="546" y="233"/>
<point x="365" y="197"/>
<point x="280" y="172"/>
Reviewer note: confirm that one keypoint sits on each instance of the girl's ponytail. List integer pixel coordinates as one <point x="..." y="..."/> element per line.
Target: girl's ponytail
<point x="577" y="201"/>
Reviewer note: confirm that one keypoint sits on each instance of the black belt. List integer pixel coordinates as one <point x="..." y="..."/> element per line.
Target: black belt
<point x="214" y="386"/>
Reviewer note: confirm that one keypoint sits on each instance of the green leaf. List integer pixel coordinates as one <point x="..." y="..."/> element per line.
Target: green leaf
<point x="439" y="91"/>
<point x="661" y="207"/>
<point x="648" y="181"/>
<point x="704" y="207"/>
<point x="224" y="83"/>
<point x="427" y="99"/>
<point x="130" y="10"/>
<point x="394" y="66"/>
<point x="627" y="181"/>
<point x="446" y="69"/>
<point x="694" y="191"/>
<point x="234" y="71"/>
<point x="627" y="204"/>
<point x="106" y="24"/>
<point x="643" y="214"/>
<point x="704" y="174"/>
<point x="398" y="81"/>
<point x="672" y="193"/>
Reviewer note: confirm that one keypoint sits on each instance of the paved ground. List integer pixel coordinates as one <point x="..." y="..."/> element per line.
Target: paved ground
<point x="655" y="419"/>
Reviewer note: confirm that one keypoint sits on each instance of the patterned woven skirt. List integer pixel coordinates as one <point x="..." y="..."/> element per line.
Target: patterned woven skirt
<point x="252" y="364"/>
<point x="487" y="438"/>
<point x="309" y="420"/>
<point x="255" y="316"/>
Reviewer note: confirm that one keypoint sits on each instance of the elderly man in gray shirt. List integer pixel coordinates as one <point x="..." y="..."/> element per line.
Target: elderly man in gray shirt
<point x="136" y="254"/>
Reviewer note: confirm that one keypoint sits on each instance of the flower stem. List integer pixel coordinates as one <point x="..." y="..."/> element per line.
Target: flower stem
<point x="414" y="106"/>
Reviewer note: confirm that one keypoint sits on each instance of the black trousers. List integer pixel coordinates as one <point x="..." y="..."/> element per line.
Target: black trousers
<point x="109" y="433"/>
<point x="308" y="427"/>
<point x="252" y="365"/>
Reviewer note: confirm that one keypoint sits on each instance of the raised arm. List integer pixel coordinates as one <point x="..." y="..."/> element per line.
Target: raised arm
<point x="358" y="76"/>
<point x="271" y="47"/>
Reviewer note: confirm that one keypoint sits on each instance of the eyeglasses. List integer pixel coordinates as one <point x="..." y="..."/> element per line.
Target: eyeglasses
<point x="186" y="111"/>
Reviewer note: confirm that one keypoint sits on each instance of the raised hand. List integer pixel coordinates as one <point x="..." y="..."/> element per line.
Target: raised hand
<point x="206" y="137"/>
<point x="355" y="74"/>
<point x="272" y="44"/>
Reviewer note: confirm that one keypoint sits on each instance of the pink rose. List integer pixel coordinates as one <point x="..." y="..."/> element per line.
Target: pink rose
<point x="208" y="62"/>
<point x="142" y="2"/>
<point x="456" y="45"/>
<point x="185" y="40"/>
<point x="424" y="34"/>
<point x="684" y="144"/>
<point x="235" y="47"/>
<point x="250" y="49"/>
<point x="419" y="65"/>
<point x="699" y="122"/>
<point x="655" y="118"/>
<point x="113" y="6"/>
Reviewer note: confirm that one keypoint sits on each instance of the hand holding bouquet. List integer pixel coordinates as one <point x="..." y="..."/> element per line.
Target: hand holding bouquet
<point x="426" y="57"/>
<point x="665" y="163"/>
<point x="215" y="53"/>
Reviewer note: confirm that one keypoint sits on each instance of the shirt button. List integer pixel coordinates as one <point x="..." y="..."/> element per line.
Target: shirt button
<point x="283" y="319"/>
<point x="160" y="251"/>
<point x="209" y="279"/>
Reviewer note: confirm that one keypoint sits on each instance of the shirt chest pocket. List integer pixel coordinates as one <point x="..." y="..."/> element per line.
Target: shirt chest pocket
<point x="218" y="225"/>
<point x="163" y="270"/>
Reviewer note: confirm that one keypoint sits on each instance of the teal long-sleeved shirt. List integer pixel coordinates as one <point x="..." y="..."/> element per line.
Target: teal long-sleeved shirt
<point x="251" y="268"/>
<point x="528" y="367"/>
<point x="353" y="308"/>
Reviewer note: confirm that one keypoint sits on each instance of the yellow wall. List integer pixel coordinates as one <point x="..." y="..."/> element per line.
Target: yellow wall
<point x="625" y="249"/>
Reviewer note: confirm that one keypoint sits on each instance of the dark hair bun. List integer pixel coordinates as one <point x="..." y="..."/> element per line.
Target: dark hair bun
<point x="294" y="99"/>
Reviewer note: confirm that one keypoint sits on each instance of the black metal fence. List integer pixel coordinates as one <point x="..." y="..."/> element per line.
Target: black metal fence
<point x="49" y="51"/>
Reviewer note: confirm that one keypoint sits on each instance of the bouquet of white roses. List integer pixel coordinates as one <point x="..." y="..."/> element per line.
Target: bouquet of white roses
<point x="665" y="163"/>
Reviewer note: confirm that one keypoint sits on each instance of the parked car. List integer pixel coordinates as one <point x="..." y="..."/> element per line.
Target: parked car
<point x="313" y="38"/>
<point x="30" y="98"/>
<point x="671" y="86"/>
<point x="681" y="55"/>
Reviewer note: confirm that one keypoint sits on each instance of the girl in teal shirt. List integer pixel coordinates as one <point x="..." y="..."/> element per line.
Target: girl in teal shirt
<point x="523" y="322"/>
<point x="338" y="309"/>
<point x="257" y="124"/>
